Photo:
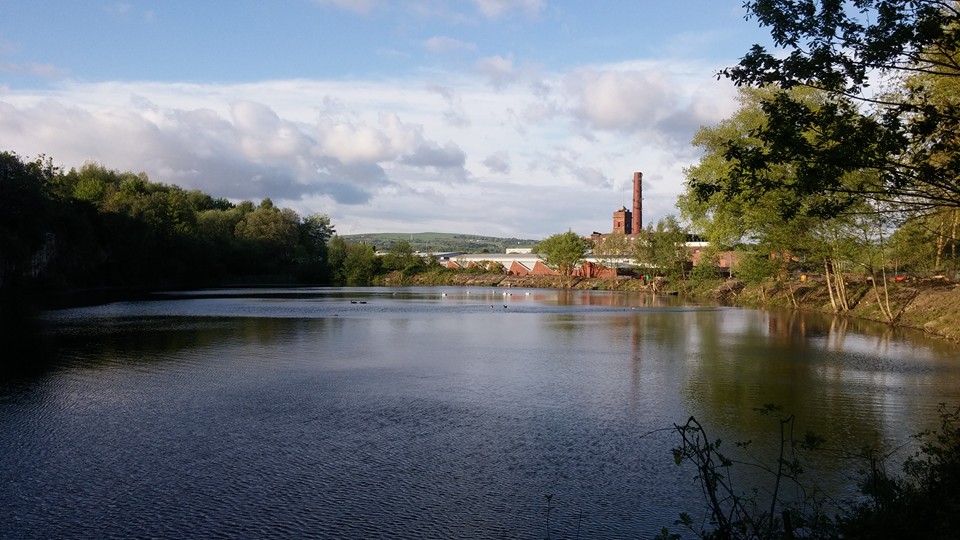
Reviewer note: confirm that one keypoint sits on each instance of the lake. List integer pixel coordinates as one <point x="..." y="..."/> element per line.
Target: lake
<point x="429" y="412"/>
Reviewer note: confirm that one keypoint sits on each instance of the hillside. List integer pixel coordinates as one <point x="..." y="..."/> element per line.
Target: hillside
<point x="434" y="242"/>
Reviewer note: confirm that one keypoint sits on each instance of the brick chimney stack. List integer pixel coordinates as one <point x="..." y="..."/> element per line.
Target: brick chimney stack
<point x="637" y="202"/>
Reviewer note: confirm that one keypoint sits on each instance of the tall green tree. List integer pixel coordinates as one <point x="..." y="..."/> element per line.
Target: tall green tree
<point x="312" y="251"/>
<point x="315" y="232"/>
<point x="902" y="135"/>
<point x="781" y="221"/>
<point x="563" y="252"/>
<point x="336" y="259"/>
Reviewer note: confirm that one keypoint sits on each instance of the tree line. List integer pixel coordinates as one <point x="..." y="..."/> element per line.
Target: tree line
<point x="94" y="227"/>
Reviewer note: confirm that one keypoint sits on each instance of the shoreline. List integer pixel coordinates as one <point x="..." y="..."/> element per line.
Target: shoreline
<point x="929" y="305"/>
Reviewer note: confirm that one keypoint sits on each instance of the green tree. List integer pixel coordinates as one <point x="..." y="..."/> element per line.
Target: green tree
<point x="312" y="251"/>
<point x="612" y="248"/>
<point x="755" y="267"/>
<point x="663" y="248"/>
<point x="24" y="211"/>
<point x="563" y="252"/>
<point x="336" y="259"/>
<point x="315" y="231"/>
<point x="272" y="231"/>
<point x="218" y="226"/>
<point x="904" y="135"/>
<point x="401" y="258"/>
<point x="96" y="227"/>
<point x="928" y="244"/>
<point x="782" y="222"/>
<point x="360" y="266"/>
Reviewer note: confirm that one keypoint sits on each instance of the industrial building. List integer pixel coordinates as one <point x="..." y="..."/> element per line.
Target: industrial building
<point x="626" y="222"/>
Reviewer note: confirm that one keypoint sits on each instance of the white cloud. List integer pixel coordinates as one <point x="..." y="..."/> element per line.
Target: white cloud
<point x="622" y="100"/>
<point x="352" y="142"/>
<point x="498" y="163"/>
<point x="430" y="154"/>
<point x="439" y="151"/>
<point x="454" y="114"/>
<point x="498" y="70"/>
<point x="496" y="8"/>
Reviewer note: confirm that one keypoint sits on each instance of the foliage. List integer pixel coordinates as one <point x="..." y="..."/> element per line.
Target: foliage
<point x="707" y="269"/>
<point x="928" y="244"/>
<point x="755" y="267"/>
<point x="401" y="258"/>
<point x="360" y="265"/>
<point x="663" y="248"/>
<point x="728" y="212"/>
<point x="563" y="251"/>
<point x="613" y="246"/>
<point x="903" y="136"/>
<point x="780" y="221"/>
<point x="817" y="167"/>
<point x="925" y="503"/>
<point x="733" y="513"/>
<point x="25" y="206"/>
<point x="271" y="232"/>
<point x="337" y="256"/>
<point x="315" y="231"/>
<point x="95" y="227"/>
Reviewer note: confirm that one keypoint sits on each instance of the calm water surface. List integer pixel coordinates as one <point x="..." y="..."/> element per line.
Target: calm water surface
<point x="427" y="413"/>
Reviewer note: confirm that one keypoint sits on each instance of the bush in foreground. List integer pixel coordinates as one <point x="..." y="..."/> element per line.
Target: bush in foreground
<point x="922" y="503"/>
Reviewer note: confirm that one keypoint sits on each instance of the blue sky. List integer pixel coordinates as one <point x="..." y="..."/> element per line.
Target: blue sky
<point x="494" y="117"/>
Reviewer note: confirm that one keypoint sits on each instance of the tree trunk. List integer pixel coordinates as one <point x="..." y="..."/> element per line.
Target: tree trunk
<point x="826" y="275"/>
<point x="836" y="286"/>
<point x="953" y="235"/>
<point x="842" y="296"/>
<point x="884" y="306"/>
<point x="941" y="243"/>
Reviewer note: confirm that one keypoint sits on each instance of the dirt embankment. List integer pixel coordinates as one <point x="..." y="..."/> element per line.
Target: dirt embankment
<point x="929" y="305"/>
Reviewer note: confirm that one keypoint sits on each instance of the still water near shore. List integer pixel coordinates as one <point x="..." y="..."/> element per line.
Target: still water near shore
<point x="429" y="412"/>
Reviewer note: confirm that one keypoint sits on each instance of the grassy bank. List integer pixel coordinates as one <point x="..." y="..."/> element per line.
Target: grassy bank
<point x="929" y="305"/>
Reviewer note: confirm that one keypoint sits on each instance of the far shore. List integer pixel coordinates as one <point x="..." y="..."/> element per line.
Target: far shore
<point x="929" y="305"/>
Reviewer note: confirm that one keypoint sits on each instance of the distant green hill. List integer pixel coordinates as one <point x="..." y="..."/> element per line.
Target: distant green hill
<point x="433" y="242"/>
